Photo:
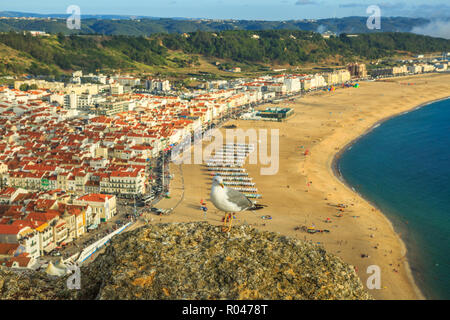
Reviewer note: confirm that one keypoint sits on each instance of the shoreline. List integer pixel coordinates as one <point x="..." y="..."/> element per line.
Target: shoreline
<point x="338" y="174"/>
<point x="292" y="198"/>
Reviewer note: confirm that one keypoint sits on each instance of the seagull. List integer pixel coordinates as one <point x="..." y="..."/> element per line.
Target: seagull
<point x="230" y="201"/>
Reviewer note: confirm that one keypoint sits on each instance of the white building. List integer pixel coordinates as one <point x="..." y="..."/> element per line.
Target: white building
<point x="313" y="82"/>
<point x="427" y="68"/>
<point x="292" y="84"/>
<point x="128" y="81"/>
<point x="70" y="101"/>
<point x="116" y="89"/>
<point x="102" y="205"/>
<point x="441" y="67"/>
<point x="415" y="69"/>
<point x="158" y="85"/>
<point x="22" y="234"/>
<point x="77" y="74"/>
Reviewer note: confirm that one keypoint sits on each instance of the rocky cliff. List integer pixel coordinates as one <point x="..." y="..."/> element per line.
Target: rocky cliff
<point x="198" y="261"/>
<point x="32" y="285"/>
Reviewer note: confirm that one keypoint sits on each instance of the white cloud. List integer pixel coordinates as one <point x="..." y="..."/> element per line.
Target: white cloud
<point x="436" y="28"/>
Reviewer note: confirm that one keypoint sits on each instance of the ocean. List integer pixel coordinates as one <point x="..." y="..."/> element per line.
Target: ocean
<point x="403" y="167"/>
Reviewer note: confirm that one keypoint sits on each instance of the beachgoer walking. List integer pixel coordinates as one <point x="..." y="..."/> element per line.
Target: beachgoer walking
<point x="205" y="209"/>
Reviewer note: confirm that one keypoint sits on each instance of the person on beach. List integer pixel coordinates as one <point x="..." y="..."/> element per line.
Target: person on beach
<point x="204" y="209"/>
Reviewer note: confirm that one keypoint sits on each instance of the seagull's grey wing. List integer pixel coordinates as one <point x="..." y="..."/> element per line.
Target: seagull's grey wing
<point x="239" y="199"/>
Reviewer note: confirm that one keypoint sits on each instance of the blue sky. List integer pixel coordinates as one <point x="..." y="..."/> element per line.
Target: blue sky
<point x="237" y="9"/>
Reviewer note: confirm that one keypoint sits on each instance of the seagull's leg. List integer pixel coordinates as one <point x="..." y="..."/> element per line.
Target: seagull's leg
<point x="224" y="227"/>
<point x="231" y="221"/>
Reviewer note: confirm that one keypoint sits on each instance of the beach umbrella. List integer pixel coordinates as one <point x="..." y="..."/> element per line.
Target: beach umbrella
<point x="55" y="271"/>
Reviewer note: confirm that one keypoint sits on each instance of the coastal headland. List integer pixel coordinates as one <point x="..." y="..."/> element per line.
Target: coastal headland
<point x="306" y="189"/>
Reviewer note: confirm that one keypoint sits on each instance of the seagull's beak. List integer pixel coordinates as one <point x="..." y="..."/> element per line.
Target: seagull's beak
<point x="221" y="184"/>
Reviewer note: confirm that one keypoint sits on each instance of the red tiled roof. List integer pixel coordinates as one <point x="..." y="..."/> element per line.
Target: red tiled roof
<point x="21" y="260"/>
<point x="95" y="197"/>
<point x="8" y="248"/>
<point x="9" y="229"/>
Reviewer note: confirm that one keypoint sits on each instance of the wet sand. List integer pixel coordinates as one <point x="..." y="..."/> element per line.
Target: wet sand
<point x="306" y="190"/>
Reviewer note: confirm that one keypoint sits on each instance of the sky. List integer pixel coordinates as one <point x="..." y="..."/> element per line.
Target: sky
<point x="237" y="9"/>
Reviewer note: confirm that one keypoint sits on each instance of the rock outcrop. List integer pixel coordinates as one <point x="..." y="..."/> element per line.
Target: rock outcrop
<point x="30" y="285"/>
<point x="198" y="261"/>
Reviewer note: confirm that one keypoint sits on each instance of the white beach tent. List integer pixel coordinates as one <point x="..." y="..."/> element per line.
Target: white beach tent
<point x="54" y="271"/>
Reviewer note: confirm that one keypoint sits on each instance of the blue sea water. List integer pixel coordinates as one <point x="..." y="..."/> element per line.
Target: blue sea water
<point x="403" y="167"/>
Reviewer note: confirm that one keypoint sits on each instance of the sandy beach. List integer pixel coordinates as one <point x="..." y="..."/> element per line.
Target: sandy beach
<point x="306" y="190"/>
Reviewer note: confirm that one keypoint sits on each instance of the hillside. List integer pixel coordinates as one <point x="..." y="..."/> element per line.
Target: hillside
<point x="143" y="26"/>
<point x="297" y="47"/>
<point x="13" y="61"/>
<point x="198" y="261"/>
<point x="198" y="51"/>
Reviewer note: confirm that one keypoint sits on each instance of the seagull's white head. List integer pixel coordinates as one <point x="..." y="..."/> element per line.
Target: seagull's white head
<point x="217" y="180"/>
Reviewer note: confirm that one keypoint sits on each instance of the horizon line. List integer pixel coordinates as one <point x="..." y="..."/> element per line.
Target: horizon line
<point x="131" y="16"/>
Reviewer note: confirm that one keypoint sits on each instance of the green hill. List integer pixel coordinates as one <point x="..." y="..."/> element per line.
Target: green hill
<point x="146" y="26"/>
<point x="173" y="52"/>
